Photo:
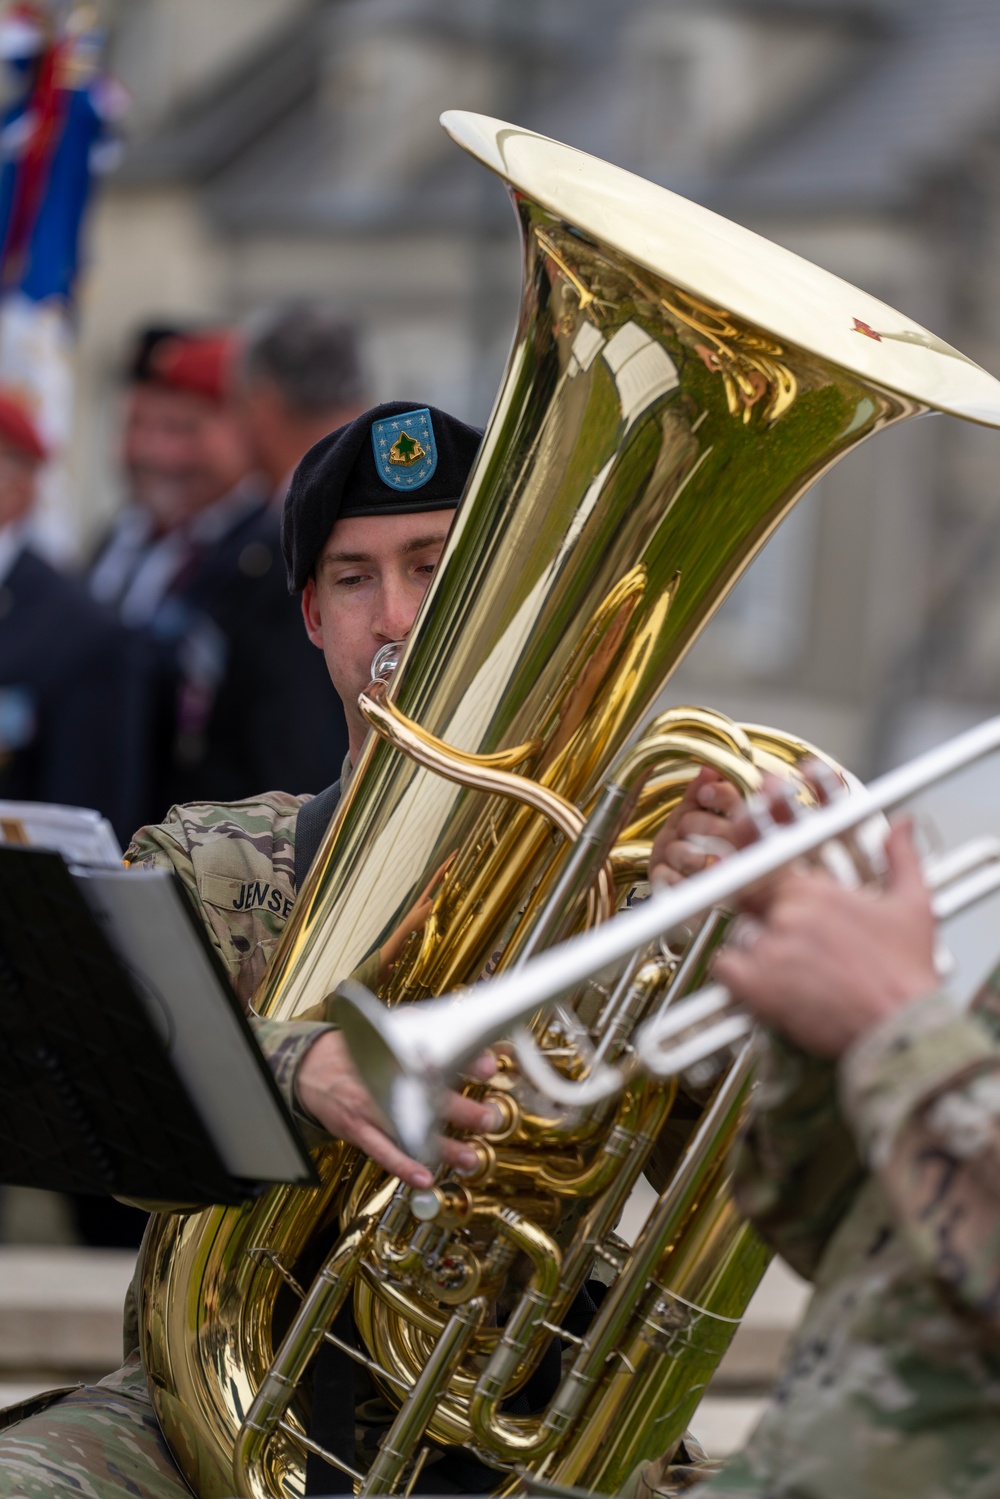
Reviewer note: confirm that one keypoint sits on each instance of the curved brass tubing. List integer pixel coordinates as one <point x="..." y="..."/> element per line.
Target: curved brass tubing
<point x="629" y="861"/>
<point x="687" y="718"/>
<point x="524" y="1323"/>
<point x="595" y="1174"/>
<point x="657" y="798"/>
<point x="483" y="773"/>
<point x="640" y="1119"/>
<point x="490" y="773"/>
<point x="661" y="746"/>
<point x="319" y="1309"/>
<point x="680" y="734"/>
<point x="395" y="1322"/>
<point x="374" y="704"/>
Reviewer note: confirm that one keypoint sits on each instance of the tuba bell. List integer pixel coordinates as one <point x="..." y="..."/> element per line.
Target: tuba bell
<point x="675" y="384"/>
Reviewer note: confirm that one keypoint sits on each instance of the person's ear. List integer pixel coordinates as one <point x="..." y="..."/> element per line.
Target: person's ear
<point x="310" y="613"/>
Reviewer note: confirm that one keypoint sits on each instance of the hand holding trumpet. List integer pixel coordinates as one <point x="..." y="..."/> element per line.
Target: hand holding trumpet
<point x="810" y="958"/>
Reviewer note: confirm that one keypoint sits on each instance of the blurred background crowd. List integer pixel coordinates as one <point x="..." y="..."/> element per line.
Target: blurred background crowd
<point x="174" y="667"/>
<point x="264" y="230"/>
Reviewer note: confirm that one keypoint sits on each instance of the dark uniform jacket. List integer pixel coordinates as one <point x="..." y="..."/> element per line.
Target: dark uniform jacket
<point x="242" y="699"/>
<point x="70" y="697"/>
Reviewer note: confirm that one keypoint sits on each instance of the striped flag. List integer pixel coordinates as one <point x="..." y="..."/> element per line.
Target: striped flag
<point x="57" y="132"/>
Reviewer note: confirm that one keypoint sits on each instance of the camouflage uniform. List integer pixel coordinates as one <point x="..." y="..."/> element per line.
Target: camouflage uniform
<point x="879" y="1179"/>
<point x="237" y="863"/>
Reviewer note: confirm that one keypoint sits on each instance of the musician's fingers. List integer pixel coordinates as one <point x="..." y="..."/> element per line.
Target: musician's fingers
<point x="469" y="1114"/>
<point x="906" y="876"/>
<point x="377" y="1145"/>
<point x="699" y="839"/>
<point x="691" y="855"/>
<point x="714" y="794"/>
<point x="752" y="823"/>
<point x="744" y="967"/>
<point x="744" y="934"/>
<point x="688" y="803"/>
<point x="706" y="792"/>
<point x="704" y="824"/>
<point x="706" y="777"/>
<point x="732" y="968"/>
<point x="463" y="1112"/>
<point x="436" y="878"/>
<point x="774" y="804"/>
<point x="458" y="1154"/>
<point x="755" y="964"/>
<point x="763" y="897"/>
<point x="483" y="1068"/>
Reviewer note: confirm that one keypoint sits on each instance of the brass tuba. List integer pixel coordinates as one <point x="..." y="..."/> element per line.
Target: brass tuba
<point x="675" y="384"/>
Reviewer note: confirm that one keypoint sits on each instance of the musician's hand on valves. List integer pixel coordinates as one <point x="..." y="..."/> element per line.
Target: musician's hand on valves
<point x="698" y="831"/>
<point x="822" y="964"/>
<point x="331" y="1092"/>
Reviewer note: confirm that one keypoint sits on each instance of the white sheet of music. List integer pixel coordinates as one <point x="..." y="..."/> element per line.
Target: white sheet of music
<point x="82" y="836"/>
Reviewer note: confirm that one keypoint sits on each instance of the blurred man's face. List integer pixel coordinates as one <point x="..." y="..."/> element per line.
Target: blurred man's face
<point x="181" y="452"/>
<point x="18" y="474"/>
<point x="280" y="436"/>
<point x="267" y="419"/>
<point x="369" y="582"/>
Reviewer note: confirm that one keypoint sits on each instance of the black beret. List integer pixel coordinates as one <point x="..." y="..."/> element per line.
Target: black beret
<point x="398" y="457"/>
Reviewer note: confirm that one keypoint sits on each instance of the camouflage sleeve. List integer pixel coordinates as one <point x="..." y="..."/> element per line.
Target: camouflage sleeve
<point x="284" y="1044"/>
<point x="165" y="847"/>
<point x="796" y="1168"/>
<point x="922" y="1092"/>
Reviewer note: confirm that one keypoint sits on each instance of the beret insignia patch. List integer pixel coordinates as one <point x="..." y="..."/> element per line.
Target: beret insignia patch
<point x="405" y="449"/>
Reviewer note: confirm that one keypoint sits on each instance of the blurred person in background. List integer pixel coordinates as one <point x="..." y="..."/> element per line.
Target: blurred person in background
<point x="241" y="699"/>
<point x="70" y="695"/>
<point x="300" y="379"/>
<point x="181" y="453"/>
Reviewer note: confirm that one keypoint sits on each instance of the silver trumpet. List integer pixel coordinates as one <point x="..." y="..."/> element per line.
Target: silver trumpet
<point x="409" y="1056"/>
<point x="710" y="1020"/>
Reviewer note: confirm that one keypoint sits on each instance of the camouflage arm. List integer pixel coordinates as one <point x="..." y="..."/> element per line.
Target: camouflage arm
<point x="922" y="1092"/>
<point x="284" y="1044"/>
<point x="796" y="1168"/>
<point x="165" y="847"/>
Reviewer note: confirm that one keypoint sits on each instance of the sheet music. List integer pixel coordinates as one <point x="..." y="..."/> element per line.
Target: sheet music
<point x="81" y="835"/>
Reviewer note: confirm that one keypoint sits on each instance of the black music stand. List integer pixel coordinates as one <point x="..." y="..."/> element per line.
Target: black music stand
<point x="90" y="1098"/>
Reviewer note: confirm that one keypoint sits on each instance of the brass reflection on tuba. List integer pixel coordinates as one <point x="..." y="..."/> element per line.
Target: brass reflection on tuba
<point x="675" y="385"/>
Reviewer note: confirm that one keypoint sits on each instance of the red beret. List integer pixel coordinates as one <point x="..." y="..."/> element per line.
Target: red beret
<point x="197" y="362"/>
<point x="18" y="428"/>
